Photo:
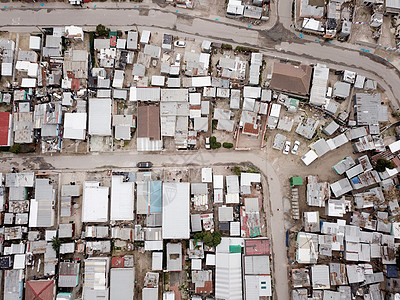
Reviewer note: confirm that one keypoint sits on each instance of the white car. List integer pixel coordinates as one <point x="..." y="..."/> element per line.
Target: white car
<point x="295" y="147"/>
<point x="180" y="44"/>
<point x="178" y="59"/>
<point x="287" y="148"/>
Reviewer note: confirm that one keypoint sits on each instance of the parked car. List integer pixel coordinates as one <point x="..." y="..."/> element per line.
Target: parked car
<point x="178" y="59"/>
<point x="208" y="143"/>
<point x="180" y="44"/>
<point x="287" y="148"/>
<point x="144" y="164"/>
<point x="295" y="147"/>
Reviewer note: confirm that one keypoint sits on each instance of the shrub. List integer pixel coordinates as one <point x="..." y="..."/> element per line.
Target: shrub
<point x="16" y="148"/>
<point x="227" y="145"/>
<point x="237" y="170"/>
<point x="226" y="46"/>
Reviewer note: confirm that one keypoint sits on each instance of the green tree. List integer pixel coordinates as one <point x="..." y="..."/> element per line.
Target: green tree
<point x="209" y="239"/>
<point x="382" y="164"/>
<point x="56" y="243"/>
<point x="102" y="30"/>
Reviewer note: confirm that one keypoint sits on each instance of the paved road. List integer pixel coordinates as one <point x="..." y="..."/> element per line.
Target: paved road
<point x="272" y="188"/>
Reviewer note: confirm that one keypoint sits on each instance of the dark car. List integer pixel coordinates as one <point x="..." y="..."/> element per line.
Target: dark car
<point x="144" y="164"/>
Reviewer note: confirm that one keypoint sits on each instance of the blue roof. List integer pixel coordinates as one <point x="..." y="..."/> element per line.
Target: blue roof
<point x="355" y="180"/>
<point x="155" y="197"/>
<point x="392" y="271"/>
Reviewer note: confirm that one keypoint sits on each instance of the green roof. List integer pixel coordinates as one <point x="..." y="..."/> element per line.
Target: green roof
<point x="296" y="181"/>
<point x="235" y="249"/>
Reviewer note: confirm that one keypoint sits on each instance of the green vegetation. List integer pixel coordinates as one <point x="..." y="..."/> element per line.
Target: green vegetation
<point x="227" y="145"/>
<point x="245" y="49"/>
<point x="16" y="148"/>
<point x="226" y="46"/>
<point x="102" y="31"/>
<point x="382" y="164"/>
<point x="213" y="143"/>
<point x="237" y="170"/>
<point x="56" y="244"/>
<point x="92" y="54"/>
<point x="209" y="239"/>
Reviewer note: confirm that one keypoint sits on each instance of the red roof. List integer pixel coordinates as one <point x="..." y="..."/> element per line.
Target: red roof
<point x="39" y="290"/>
<point x="4" y="128"/>
<point x="257" y="247"/>
<point x="117" y="262"/>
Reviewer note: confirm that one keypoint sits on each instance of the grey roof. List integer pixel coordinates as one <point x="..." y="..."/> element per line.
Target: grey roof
<point x="20" y="179"/>
<point x="71" y="190"/>
<point x="138" y="70"/>
<point x="307" y="128"/>
<point x="199" y="189"/>
<point x="257" y="265"/>
<point x="369" y="109"/>
<point x="195" y="221"/>
<point x="331" y="128"/>
<point x="122" y="283"/>
<point x="68" y="274"/>
<point x="132" y="40"/>
<point x="174" y="257"/>
<point x="341" y="89"/>
<point x="344" y="165"/>
<point x="321" y="147"/>
<point x="232" y="184"/>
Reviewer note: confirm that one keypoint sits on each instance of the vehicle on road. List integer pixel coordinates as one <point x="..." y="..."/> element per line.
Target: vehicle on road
<point x="180" y="44"/>
<point x="287" y="148"/>
<point x="208" y="143"/>
<point x="144" y="164"/>
<point x="178" y="59"/>
<point x="295" y="147"/>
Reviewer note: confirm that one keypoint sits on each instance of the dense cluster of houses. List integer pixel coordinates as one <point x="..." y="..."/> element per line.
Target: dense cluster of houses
<point x="87" y="240"/>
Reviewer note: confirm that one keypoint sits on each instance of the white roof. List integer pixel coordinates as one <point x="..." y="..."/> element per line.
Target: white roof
<point x="320" y="81"/>
<point x="395" y="146"/>
<point x="122" y="282"/>
<point x="176" y="207"/>
<point x="34" y="43"/>
<point x="252" y="92"/>
<point x="210" y="259"/>
<point x="122" y="199"/>
<point x="309" y="157"/>
<point x="275" y="110"/>
<point x="320" y="277"/>
<point x="100" y="116"/>
<point x="153" y="245"/>
<point x="157" y="80"/>
<point x="19" y="261"/>
<point x="75" y="126"/>
<point x="228" y="276"/>
<point x="218" y="181"/>
<point x="206" y="175"/>
<point x="95" y="203"/>
<point x="28" y="82"/>
<point x="6" y="69"/>
<point x="196" y="264"/>
<point x="157" y="259"/>
<point x="145" y="38"/>
<point x="201" y="81"/>
<point x="246" y="179"/>
<point x="144" y="94"/>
